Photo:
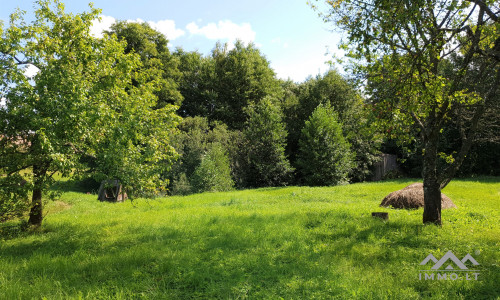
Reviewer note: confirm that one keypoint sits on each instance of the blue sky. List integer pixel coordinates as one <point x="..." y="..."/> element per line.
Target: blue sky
<point x="288" y="32"/>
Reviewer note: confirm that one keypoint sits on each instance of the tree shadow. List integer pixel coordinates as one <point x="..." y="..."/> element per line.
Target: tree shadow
<point x="227" y="257"/>
<point x="87" y="185"/>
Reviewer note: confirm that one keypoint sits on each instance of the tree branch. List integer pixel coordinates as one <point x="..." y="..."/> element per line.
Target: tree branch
<point x="418" y="121"/>
<point x="450" y="171"/>
<point x="76" y="150"/>
<point x="486" y="9"/>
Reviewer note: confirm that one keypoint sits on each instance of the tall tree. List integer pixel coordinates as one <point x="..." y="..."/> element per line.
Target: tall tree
<point x="157" y="61"/>
<point x="324" y="157"/>
<point x="265" y="134"/>
<point x="242" y="76"/>
<point x="80" y="104"/>
<point x="197" y="84"/>
<point x="406" y="44"/>
<point x="348" y="104"/>
<point x="221" y="85"/>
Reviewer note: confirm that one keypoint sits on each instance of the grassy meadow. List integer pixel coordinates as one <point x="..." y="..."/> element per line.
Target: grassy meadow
<point x="272" y="243"/>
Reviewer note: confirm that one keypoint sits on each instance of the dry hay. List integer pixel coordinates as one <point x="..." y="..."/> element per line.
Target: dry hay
<point x="412" y="197"/>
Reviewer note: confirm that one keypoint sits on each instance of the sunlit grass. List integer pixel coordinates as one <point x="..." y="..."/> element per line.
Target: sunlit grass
<point x="294" y="243"/>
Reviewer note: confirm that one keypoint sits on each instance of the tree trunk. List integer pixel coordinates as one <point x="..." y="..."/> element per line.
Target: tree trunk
<point x="36" y="215"/>
<point x="432" y="189"/>
<point x="432" y="202"/>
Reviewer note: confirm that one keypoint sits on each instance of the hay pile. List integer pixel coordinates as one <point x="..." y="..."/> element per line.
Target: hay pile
<point x="412" y="196"/>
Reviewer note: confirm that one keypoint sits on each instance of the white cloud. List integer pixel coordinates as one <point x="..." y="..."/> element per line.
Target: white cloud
<point x="100" y="25"/>
<point x="167" y="27"/>
<point x="224" y="30"/>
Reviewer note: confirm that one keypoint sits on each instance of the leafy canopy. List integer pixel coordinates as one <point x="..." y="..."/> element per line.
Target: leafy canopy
<point x="405" y="47"/>
<point x="79" y="107"/>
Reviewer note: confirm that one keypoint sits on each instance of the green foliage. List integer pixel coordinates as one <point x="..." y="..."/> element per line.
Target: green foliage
<point x="220" y="86"/>
<point x="196" y="84"/>
<point x="181" y="185"/>
<point x="265" y="137"/>
<point x="14" y="200"/>
<point x="157" y="62"/>
<point x="417" y="79"/>
<point x="352" y="113"/>
<point x="213" y="173"/>
<point x="243" y="76"/>
<point x="325" y="157"/>
<point x="80" y="106"/>
<point x="195" y="139"/>
<point x="291" y="243"/>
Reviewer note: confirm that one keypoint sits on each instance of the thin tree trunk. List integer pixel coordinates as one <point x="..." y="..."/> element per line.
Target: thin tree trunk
<point x="36" y="215"/>
<point x="432" y="189"/>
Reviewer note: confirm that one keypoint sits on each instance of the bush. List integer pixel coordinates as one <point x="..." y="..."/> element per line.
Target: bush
<point x="214" y="173"/>
<point x="181" y="185"/>
<point x="195" y="138"/>
<point x="324" y="155"/>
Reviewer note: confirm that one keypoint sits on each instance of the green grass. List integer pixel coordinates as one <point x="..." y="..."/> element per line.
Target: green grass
<point x="291" y="243"/>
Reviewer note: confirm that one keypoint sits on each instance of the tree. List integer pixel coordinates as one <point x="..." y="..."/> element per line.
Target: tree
<point x="242" y="76"/>
<point x="157" y="62"/>
<point x="265" y="137"/>
<point x="406" y="44"/>
<point x="324" y="157"/>
<point x="196" y="84"/>
<point x="221" y="85"/>
<point x="213" y="174"/>
<point x="80" y="106"/>
<point x="196" y="138"/>
<point x="346" y="100"/>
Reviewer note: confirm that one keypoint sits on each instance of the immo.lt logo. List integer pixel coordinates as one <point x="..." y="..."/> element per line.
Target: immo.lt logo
<point x="449" y="267"/>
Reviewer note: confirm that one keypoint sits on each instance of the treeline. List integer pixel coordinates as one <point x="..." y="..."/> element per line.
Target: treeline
<point x="242" y="127"/>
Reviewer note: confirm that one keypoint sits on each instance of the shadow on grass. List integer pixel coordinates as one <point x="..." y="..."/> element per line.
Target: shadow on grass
<point x="13" y="229"/>
<point x="87" y="185"/>
<point x="228" y="257"/>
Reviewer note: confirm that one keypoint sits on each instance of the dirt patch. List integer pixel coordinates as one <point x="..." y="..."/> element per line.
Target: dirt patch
<point x="412" y="197"/>
<point x="58" y="206"/>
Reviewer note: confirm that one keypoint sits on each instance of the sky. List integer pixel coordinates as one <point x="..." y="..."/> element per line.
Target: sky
<point x="288" y="33"/>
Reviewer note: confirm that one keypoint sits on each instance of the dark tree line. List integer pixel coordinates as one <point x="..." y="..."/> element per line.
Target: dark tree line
<point x="265" y="129"/>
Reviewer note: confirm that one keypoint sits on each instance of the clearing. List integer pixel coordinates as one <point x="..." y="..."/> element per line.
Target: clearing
<point x="293" y="242"/>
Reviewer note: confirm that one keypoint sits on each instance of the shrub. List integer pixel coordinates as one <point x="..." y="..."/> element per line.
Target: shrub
<point x="181" y="185"/>
<point x="214" y="173"/>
